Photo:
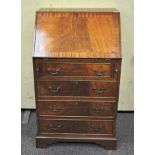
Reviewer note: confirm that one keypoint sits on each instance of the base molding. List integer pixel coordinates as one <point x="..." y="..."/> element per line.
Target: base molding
<point x="107" y="142"/>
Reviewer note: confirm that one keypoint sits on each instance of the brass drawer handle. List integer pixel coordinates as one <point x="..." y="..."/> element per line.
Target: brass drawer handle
<point x="54" y="109"/>
<point x="53" y="90"/>
<point x="56" y="72"/>
<point x="37" y="69"/>
<point x="100" y="74"/>
<point x="116" y="70"/>
<point x="54" y="127"/>
<point x="98" y="109"/>
<point x="97" y="128"/>
<point x="100" y="90"/>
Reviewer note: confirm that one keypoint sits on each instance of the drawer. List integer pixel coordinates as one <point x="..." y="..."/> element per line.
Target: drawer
<point x="76" y="126"/>
<point x="48" y="70"/>
<point x="76" y="108"/>
<point x="77" y="88"/>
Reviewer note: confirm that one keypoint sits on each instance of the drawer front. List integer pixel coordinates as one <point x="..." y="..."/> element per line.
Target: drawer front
<point x="75" y="108"/>
<point x="76" y="88"/>
<point x="76" y="126"/>
<point x="101" y="70"/>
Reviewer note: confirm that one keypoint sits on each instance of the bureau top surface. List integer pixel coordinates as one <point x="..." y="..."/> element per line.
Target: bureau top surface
<point x="77" y="34"/>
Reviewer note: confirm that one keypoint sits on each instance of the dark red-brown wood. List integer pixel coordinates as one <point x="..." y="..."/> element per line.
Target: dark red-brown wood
<point x="77" y="88"/>
<point x="77" y="34"/>
<point x="77" y="65"/>
<point x="75" y="69"/>
<point x="76" y="108"/>
<point x="76" y="126"/>
<point x="43" y="141"/>
<point x="52" y="69"/>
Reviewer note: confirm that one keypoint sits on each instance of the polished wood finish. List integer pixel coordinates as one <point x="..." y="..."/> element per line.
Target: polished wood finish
<point x="77" y="65"/>
<point x="77" y="88"/>
<point x="76" y="126"/>
<point x="77" y="34"/>
<point x="46" y="140"/>
<point x="87" y="69"/>
<point x="76" y="108"/>
<point x="48" y="70"/>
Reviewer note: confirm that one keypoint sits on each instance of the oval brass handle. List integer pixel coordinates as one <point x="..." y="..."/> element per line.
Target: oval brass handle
<point x="116" y="70"/>
<point x="99" y="74"/>
<point x="100" y="90"/>
<point x="37" y="69"/>
<point x="54" y="127"/>
<point x="98" y="109"/>
<point x="56" y="72"/>
<point x="54" y="109"/>
<point x="53" y="90"/>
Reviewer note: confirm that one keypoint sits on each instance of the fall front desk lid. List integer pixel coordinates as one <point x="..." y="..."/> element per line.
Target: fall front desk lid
<point x="77" y="33"/>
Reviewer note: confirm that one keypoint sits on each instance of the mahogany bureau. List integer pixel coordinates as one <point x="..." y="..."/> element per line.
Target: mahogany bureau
<point x="77" y="64"/>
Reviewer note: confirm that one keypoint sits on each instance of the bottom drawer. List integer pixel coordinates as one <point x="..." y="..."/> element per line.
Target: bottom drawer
<point x="76" y="126"/>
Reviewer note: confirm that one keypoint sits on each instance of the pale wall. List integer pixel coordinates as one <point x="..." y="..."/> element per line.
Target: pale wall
<point x="28" y="15"/>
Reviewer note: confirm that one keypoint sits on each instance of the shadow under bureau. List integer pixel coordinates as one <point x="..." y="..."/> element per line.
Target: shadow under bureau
<point x="77" y="65"/>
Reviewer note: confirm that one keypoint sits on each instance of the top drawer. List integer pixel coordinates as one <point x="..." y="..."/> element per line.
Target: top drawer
<point x="47" y="70"/>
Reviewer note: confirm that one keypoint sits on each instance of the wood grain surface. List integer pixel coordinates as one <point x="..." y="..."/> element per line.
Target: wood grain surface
<point x="77" y="65"/>
<point x="77" y="88"/>
<point x="77" y="35"/>
<point x="76" y="126"/>
<point x="76" y="108"/>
